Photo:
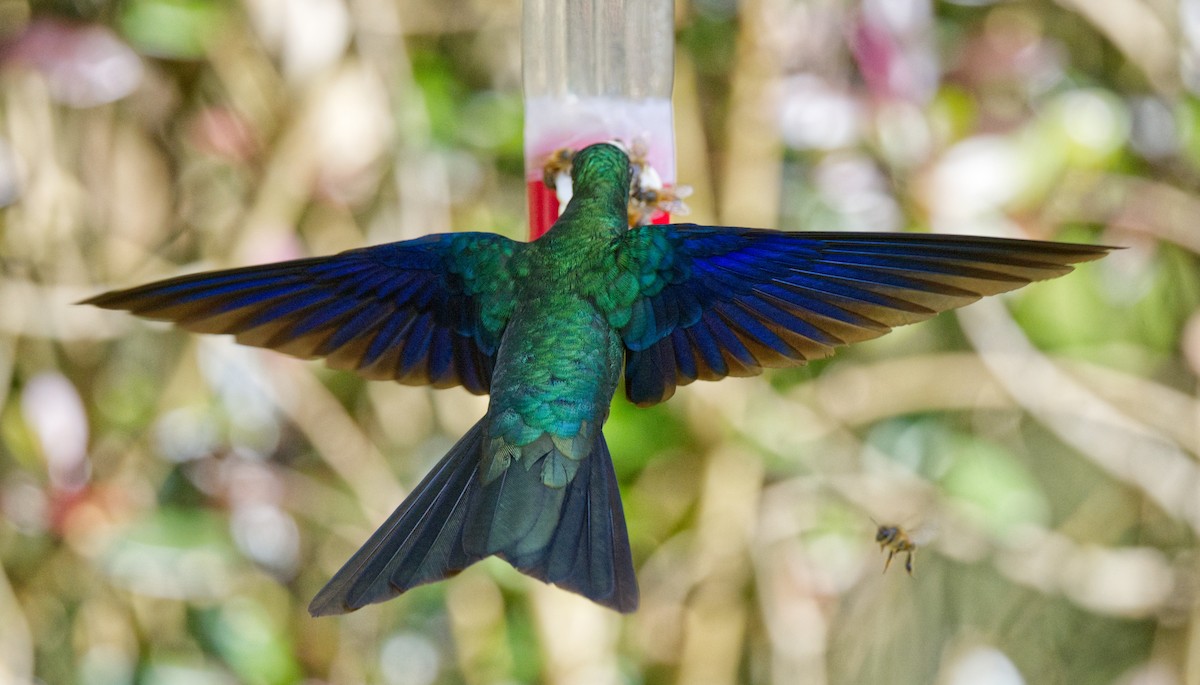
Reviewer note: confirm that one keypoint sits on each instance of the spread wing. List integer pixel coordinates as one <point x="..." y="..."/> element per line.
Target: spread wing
<point x="424" y="311"/>
<point x="714" y="302"/>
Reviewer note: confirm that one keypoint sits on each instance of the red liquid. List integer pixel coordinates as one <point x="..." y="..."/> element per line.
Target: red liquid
<point x="543" y="208"/>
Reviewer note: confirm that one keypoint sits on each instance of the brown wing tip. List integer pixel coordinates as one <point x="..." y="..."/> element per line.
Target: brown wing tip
<point x="1082" y="252"/>
<point x="108" y="300"/>
<point x="328" y="606"/>
<point x="1047" y="260"/>
<point x="128" y="299"/>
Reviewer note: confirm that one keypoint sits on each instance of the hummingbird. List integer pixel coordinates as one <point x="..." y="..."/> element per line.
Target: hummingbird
<point x="547" y="328"/>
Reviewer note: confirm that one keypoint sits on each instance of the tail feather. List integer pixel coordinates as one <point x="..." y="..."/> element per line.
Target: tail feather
<point x="514" y="511"/>
<point x="590" y="553"/>
<point x="573" y="536"/>
<point x="419" y="543"/>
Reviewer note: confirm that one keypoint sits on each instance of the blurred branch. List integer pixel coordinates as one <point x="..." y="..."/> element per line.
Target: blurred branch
<point x="1175" y="414"/>
<point x="340" y="442"/>
<point x="578" y="638"/>
<point x="1139" y="205"/>
<point x="16" y="643"/>
<point x="859" y="394"/>
<point x="333" y="433"/>
<point x="1138" y="33"/>
<point x="691" y="146"/>
<point x="750" y="179"/>
<point x="8" y="362"/>
<point x="1128" y="450"/>
<point x="716" y="616"/>
<point x="34" y="310"/>
<point x="421" y="179"/>
<point x="853" y="394"/>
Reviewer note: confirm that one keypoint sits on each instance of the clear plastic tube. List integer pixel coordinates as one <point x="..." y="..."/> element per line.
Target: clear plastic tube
<point x="596" y="70"/>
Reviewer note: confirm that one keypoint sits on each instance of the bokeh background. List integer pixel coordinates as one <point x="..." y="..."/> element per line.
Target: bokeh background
<point x="169" y="503"/>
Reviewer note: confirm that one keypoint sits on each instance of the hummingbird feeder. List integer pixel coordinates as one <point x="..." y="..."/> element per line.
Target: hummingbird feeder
<point x="596" y="71"/>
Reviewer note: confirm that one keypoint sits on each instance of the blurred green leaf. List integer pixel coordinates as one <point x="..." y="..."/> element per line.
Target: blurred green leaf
<point x="993" y="485"/>
<point x="172" y="29"/>
<point x="183" y="553"/>
<point x="1132" y="326"/>
<point x="637" y="435"/>
<point x="251" y="641"/>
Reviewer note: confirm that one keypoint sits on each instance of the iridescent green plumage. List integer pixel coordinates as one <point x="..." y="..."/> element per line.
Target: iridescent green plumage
<point x="547" y="328"/>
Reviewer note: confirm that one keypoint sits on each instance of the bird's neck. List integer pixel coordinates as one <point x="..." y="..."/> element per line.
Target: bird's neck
<point x="596" y="208"/>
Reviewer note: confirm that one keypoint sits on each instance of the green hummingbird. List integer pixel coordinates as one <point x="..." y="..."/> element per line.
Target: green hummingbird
<point x="546" y="328"/>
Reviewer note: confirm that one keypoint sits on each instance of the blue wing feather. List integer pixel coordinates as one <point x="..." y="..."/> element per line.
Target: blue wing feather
<point x="389" y="337"/>
<point x="416" y="347"/>
<point x="712" y="362"/>
<point x="731" y="301"/>
<point x="412" y="311"/>
<point x="353" y="327"/>
<point x="685" y="357"/>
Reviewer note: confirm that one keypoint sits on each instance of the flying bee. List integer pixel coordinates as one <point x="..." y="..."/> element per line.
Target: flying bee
<point x="895" y="540"/>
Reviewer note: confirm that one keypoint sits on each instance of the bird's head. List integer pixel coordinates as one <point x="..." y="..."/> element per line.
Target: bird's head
<point x="599" y="165"/>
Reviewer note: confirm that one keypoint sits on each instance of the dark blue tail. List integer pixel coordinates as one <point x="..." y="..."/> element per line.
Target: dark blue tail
<point x="446" y="524"/>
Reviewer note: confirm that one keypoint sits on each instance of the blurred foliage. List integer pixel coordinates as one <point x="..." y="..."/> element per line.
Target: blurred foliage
<point x="170" y="504"/>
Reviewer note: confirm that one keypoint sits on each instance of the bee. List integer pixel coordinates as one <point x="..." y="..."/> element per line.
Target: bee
<point x="645" y="202"/>
<point x="647" y="194"/>
<point x="895" y="540"/>
<point x="558" y="163"/>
